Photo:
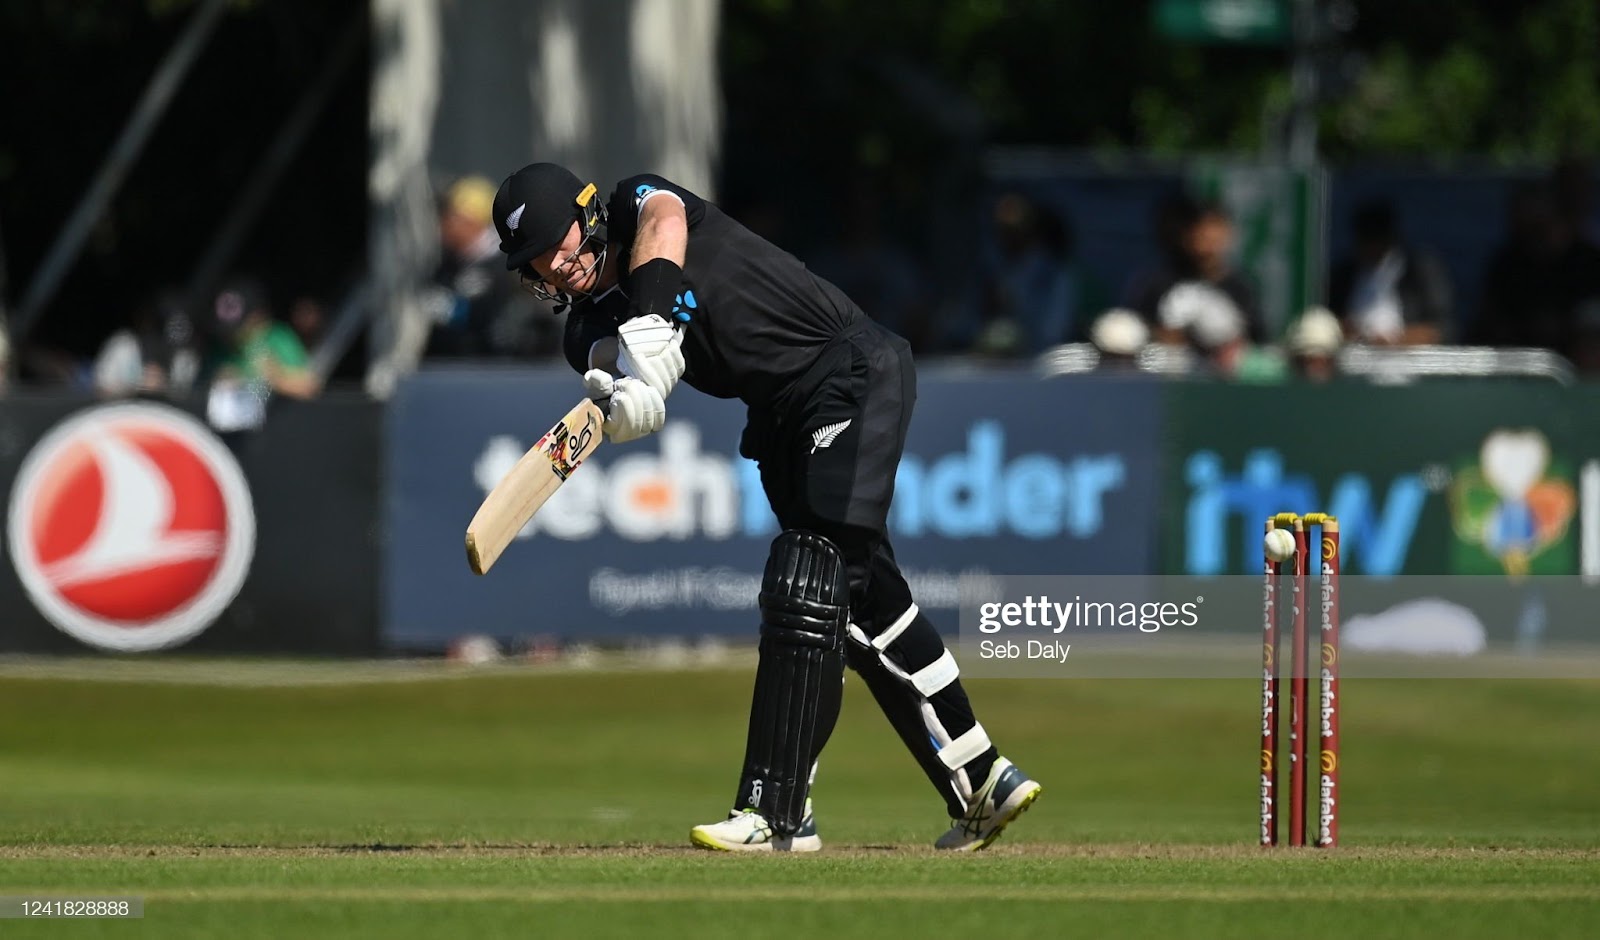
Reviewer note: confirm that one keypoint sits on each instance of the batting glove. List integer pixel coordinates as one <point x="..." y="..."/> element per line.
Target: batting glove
<point x="650" y="350"/>
<point x="634" y="409"/>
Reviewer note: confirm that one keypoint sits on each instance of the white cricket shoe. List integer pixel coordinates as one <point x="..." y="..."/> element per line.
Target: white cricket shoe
<point x="1002" y="798"/>
<point x="748" y="831"/>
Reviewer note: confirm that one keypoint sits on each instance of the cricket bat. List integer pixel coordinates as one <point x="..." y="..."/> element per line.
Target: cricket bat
<point x="531" y="482"/>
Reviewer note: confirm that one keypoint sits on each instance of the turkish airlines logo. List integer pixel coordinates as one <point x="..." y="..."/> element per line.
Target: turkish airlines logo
<point x="131" y="527"/>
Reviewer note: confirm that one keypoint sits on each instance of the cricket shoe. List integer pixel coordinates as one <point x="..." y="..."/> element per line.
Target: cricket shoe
<point x="748" y="831"/>
<point x="1002" y="798"/>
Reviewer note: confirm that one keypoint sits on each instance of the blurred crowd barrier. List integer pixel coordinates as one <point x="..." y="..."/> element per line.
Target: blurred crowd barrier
<point x="336" y="527"/>
<point x="1384" y="365"/>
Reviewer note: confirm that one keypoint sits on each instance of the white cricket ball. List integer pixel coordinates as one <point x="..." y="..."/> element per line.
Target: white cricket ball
<point x="1279" y="545"/>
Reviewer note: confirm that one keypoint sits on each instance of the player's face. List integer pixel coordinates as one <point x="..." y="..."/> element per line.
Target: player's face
<point x="569" y="266"/>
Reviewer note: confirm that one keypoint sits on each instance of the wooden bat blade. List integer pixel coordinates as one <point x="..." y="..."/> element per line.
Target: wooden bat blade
<point x="531" y="482"/>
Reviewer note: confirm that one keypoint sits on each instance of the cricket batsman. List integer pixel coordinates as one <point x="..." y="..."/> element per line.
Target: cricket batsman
<point x="663" y="286"/>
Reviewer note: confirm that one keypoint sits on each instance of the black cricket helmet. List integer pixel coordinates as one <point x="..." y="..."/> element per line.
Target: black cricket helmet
<point x="533" y="210"/>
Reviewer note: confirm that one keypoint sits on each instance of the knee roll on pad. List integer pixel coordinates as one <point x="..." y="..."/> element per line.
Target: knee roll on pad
<point x="805" y="594"/>
<point x="800" y="678"/>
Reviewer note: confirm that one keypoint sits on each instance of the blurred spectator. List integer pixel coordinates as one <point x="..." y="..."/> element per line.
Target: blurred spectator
<point x="1218" y="332"/>
<point x="1119" y="335"/>
<point x="1197" y="273"/>
<point x="476" y="305"/>
<point x="156" y="354"/>
<point x="1314" y="342"/>
<point x="1386" y="291"/>
<point x="1539" y="277"/>
<point x="1038" y="295"/>
<point x="257" y="357"/>
<point x="308" y="320"/>
<point x="878" y="273"/>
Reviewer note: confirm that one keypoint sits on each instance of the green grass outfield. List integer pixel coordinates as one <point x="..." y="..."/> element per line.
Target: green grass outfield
<point x="422" y="800"/>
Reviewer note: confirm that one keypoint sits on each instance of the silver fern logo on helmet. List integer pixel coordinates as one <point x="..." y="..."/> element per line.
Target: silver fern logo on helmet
<point x="515" y="218"/>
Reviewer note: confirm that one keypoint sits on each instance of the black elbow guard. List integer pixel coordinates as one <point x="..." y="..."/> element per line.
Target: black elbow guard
<point x="658" y="287"/>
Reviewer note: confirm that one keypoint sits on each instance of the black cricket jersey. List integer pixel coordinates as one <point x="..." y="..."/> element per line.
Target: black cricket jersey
<point x="759" y="317"/>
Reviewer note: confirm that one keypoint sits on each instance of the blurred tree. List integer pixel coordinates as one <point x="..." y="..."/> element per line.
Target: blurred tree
<point x="1516" y="81"/>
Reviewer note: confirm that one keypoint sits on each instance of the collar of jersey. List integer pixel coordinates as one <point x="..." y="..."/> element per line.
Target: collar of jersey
<point x="596" y="298"/>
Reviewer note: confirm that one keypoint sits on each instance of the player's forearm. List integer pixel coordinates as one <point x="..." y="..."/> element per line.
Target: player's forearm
<point x="297" y="383"/>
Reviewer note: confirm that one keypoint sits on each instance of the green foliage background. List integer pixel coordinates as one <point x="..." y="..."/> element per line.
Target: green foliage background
<point x="1513" y="81"/>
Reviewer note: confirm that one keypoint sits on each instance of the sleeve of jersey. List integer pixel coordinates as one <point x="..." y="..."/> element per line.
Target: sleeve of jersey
<point x="582" y="332"/>
<point x="631" y="195"/>
<point x="286" y="346"/>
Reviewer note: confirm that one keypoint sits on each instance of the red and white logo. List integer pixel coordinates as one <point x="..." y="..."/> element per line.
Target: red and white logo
<point x="131" y="527"/>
